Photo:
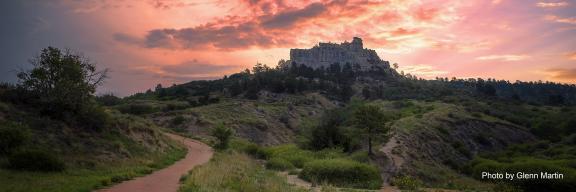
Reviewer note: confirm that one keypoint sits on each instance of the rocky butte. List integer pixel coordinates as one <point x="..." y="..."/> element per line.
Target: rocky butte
<point x="325" y="54"/>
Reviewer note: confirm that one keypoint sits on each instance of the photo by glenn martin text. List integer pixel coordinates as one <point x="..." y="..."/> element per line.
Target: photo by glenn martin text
<point x="521" y="175"/>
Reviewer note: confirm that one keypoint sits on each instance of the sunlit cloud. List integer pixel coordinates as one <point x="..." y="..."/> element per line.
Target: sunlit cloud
<point x="496" y="2"/>
<point x="278" y="24"/>
<point x="552" y="5"/>
<point x="562" y="74"/>
<point x="571" y="56"/>
<point x="558" y="19"/>
<point x="503" y="57"/>
<point x="421" y="70"/>
<point x="156" y="41"/>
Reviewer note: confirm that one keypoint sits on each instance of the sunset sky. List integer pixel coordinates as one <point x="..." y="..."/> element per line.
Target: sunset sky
<point x="145" y="42"/>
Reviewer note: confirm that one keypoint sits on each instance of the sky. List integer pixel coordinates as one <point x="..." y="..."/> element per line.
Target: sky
<point x="146" y="42"/>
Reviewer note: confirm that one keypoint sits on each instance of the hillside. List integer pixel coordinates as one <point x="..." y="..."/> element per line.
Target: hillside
<point x="439" y="130"/>
<point x="73" y="159"/>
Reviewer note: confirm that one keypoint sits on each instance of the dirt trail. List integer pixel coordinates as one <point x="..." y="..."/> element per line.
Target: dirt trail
<point x="394" y="163"/>
<point x="167" y="179"/>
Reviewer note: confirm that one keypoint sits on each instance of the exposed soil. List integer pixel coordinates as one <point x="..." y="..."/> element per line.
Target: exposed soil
<point x="167" y="179"/>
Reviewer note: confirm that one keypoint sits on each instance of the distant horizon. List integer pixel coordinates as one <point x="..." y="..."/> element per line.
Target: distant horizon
<point x="175" y="41"/>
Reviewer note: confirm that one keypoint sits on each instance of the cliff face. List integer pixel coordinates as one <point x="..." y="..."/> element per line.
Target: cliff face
<point x="325" y="54"/>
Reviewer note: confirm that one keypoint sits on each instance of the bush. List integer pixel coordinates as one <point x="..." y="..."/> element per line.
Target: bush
<point x="178" y="120"/>
<point x="290" y="153"/>
<point x="35" y="161"/>
<point x="176" y="106"/>
<point x="94" y="118"/>
<point x="279" y="164"/>
<point x="406" y="183"/>
<point x="223" y="134"/>
<point x="108" y="100"/>
<point x="137" y="108"/>
<point x="342" y="173"/>
<point x="12" y="136"/>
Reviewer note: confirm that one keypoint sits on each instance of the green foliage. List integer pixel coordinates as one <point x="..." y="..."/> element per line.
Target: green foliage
<point x="372" y="120"/>
<point x="342" y="173"/>
<point x="331" y="133"/>
<point x="35" y="161"/>
<point x="137" y="108"/>
<point x="94" y="118"/>
<point x="250" y="148"/>
<point x="62" y="81"/>
<point x="279" y="164"/>
<point x="407" y="183"/>
<point x="234" y="172"/>
<point x="108" y="100"/>
<point x="12" y="137"/>
<point x="223" y="134"/>
<point x="178" y="120"/>
<point x="529" y="165"/>
<point x="290" y="153"/>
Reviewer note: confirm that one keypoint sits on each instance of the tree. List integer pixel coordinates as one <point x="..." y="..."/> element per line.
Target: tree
<point x="62" y="81"/>
<point x="223" y="134"/>
<point x="372" y="120"/>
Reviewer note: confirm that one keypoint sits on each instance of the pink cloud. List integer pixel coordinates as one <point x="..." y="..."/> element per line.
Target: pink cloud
<point x="503" y="57"/>
<point x="282" y="24"/>
<point x="552" y="5"/>
<point x="558" y="19"/>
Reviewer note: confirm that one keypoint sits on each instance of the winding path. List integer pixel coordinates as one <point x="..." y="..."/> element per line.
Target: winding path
<point x="167" y="179"/>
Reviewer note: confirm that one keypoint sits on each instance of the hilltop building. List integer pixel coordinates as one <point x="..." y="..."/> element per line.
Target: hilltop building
<point x="325" y="54"/>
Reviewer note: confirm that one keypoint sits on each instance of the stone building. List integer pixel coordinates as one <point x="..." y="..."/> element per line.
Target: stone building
<point x="325" y="54"/>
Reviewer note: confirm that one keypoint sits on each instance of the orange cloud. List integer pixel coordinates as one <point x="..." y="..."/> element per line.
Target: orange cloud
<point x="503" y="57"/>
<point x="572" y="56"/>
<point x="420" y="70"/>
<point x="562" y="74"/>
<point x="283" y="24"/>
<point x="552" y="5"/>
<point x="426" y="14"/>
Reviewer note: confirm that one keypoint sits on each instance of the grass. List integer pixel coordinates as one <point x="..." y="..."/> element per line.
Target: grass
<point x="328" y="166"/>
<point x="130" y="147"/>
<point x="342" y="173"/>
<point x="76" y="179"/>
<point x="234" y="171"/>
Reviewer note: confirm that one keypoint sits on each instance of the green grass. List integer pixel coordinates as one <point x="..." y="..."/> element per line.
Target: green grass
<point x="342" y="173"/>
<point x="328" y="166"/>
<point x="76" y="179"/>
<point x="232" y="171"/>
<point x="130" y="147"/>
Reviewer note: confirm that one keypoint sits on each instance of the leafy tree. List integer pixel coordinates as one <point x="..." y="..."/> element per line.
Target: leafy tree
<point x="223" y="134"/>
<point x="62" y="81"/>
<point x="372" y="120"/>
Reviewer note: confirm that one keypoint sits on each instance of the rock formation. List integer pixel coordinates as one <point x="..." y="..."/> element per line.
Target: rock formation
<point x="325" y="54"/>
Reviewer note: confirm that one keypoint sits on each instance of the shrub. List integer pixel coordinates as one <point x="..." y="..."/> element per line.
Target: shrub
<point x="406" y="183"/>
<point x="176" y="106"/>
<point x="290" y="153"/>
<point x="279" y="164"/>
<point x="178" y="120"/>
<point x="108" y="100"/>
<point x="223" y="134"/>
<point x="137" y="108"/>
<point x="94" y="118"/>
<point x="35" y="161"/>
<point x="342" y="173"/>
<point x="12" y="136"/>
